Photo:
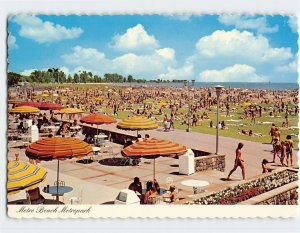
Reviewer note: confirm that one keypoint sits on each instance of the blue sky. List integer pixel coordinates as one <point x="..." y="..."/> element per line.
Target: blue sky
<point x="207" y="48"/>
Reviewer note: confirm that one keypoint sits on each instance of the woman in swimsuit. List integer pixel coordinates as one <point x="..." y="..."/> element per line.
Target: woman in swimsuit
<point x="239" y="162"/>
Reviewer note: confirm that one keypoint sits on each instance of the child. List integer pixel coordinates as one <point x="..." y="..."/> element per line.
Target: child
<point x="283" y="153"/>
<point x="265" y="167"/>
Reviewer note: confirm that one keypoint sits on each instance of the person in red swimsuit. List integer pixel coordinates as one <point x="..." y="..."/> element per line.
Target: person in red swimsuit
<point x="239" y="162"/>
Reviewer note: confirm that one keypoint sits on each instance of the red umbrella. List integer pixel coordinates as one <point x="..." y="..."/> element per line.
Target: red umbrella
<point x="153" y="148"/>
<point x="30" y="104"/>
<point x="50" y="106"/>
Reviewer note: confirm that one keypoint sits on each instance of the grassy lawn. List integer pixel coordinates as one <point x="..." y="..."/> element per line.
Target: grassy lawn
<point x="233" y="127"/>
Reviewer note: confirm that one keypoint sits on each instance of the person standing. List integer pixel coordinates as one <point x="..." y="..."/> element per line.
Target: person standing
<point x="289" y="149"/>
<point x="239" y="162"/>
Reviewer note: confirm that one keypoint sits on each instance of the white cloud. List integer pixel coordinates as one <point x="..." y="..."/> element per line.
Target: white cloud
<point x="146" y="66"/>
<point x="293" y="23"/>
<point x="289" y="68"/>
<point x="166" y="53"/>
<point x="186" y="72"/>
<point x="12" y="42"/>
<point x="27" y="72"/>
<point x="82" y="55"/>
<point x="235" y="73"/>
<point x="241" y="46"/>
<point x="247" y="22"/>
<point x="136" y="39"/>
<point x="34" y="28"/>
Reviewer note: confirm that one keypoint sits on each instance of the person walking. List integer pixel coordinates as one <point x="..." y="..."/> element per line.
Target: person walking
<point x="239" y="162"/>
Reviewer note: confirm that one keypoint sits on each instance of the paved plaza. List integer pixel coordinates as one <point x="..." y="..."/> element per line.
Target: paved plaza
<point x="99" y="182"/>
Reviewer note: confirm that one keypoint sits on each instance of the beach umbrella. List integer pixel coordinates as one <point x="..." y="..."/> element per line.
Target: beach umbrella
<point x="44" y="95"/>
<point x="98" y="98"/>
<point x="98" y="119"/>
<point x="70" y="111"/>
<point x="51" y="148"/>
<point x="22" y="175"/>
<point x="137" y="123"/>
<point x="30" y="104"/>
<point x="24" y="109"/>
<point x="50" y="106"/>
<point x="152" y="149"/>
<point x="163" y="104"/>
<point x="246" y="104"/>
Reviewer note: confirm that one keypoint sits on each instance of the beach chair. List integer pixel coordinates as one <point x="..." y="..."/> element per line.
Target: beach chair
<point x="76" y="199"/>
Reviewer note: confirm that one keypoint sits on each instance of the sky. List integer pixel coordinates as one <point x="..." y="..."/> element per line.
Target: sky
<point x="206" y="48"/>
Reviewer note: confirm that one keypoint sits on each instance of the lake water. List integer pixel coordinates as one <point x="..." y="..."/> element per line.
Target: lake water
<point x="263" y="86"/>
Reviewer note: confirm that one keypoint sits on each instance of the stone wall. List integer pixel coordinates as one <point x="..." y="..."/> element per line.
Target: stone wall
<point x="287" y="198"/>
<point x="276" y="188"/>
<point x="210" y="162"/>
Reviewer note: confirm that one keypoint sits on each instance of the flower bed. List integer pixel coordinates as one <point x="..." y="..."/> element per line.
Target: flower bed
<point x="247" y="190"/>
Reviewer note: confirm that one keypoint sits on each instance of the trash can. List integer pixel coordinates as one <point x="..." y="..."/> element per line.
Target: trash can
<point x="186" y="163"/>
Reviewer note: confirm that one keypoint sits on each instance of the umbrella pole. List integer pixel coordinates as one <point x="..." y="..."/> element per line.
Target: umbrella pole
<point x="153" y="170"/>
<point x="137" y="133"/>
<point x="57" y="179"/>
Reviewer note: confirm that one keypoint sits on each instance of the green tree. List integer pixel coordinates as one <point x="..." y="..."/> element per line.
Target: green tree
<point x="13" y="78"/>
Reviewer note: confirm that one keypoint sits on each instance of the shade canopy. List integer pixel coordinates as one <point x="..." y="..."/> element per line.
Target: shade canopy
<point x="245" y="104"/>
<point x="163" y="103"/>
<point x="137" y="123"/>
<point x="50" y="106"/>
<point x="58" y="148"/>
<point x="98" y="119"/>
<point x="24" y="109"/>
<point x="31" y="104"/>
<point x="22" y="175"/>
<point x="70" y="111"/>
<point x="153" y="148"/>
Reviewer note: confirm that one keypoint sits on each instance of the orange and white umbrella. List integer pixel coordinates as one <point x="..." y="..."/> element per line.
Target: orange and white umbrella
<point x="58" y="148"/>
<point x="153" y="148"/>
<point x="98" y="119"/>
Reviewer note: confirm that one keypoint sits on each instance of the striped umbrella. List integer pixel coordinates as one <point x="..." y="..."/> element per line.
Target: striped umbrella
<point x="137" y="123"/>
<point x="23" y="175"/>
<point x="58" y="148"/>
<point x="70" y="111"/>
<point x="50" y="106"/>
<point x="31" y="104"/>
<point x="152" y="149"/>
<point x="98" y="119"/>
<point x="24" y="109"/>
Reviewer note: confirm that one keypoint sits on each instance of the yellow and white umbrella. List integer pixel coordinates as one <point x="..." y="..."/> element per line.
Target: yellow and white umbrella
<point x="24" y="109"/>
<point x="22" y="175"/>
<point x="70" y="111"/>
<point x="137" y="123"/>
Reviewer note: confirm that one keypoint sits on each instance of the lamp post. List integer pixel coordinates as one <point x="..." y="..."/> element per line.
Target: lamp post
<point x="186" y="84"/>
<point x="218" y="92"/>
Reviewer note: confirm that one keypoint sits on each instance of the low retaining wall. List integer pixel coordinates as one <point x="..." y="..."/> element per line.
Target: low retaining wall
<point x="205" y="161"/>
<point x="276" y="188"/>
<point x="285" y="195"/>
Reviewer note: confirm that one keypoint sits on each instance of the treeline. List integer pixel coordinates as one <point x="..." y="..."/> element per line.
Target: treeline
<point x="54" y="75"/>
